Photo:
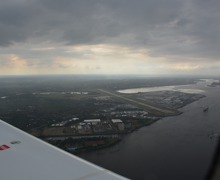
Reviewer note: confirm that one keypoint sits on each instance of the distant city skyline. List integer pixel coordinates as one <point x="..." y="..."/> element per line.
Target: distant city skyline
<point x="109" y="37"/>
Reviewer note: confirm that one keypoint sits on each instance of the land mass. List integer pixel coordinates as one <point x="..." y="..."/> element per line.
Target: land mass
<point x="81" y="114"/>
<point x="116" y="114"/>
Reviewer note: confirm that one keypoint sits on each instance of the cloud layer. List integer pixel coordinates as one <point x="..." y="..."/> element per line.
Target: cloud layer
<point x="180" y="32"/>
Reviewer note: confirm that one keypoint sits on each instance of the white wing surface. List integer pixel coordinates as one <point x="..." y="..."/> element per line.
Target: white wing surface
<point x="24" y="157"/>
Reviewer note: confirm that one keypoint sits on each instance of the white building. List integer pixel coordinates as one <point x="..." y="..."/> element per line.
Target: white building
<point x="92" y="121"/>
<point x="117" y="121"/>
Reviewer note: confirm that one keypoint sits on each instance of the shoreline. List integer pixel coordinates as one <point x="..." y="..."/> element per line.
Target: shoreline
<point x="135" y="129"/>
<point x="108" y="139"/>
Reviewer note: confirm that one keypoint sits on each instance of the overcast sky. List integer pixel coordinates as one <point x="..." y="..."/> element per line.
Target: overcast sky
<point x="110" y="37"/>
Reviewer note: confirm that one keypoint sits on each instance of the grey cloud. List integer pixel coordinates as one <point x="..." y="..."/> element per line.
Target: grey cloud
<point x="77" y="21"/>
<point x="165" y="27"/>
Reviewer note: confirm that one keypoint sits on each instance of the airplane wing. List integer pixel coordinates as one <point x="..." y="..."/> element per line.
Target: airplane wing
<point x="24" y="157"/>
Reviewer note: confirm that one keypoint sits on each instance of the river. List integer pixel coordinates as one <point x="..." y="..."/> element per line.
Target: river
<point x="173" y="148"/>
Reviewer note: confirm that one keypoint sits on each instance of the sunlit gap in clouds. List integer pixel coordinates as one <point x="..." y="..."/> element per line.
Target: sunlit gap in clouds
<point x="96" y="59"/>
<point x="82" y="59"/>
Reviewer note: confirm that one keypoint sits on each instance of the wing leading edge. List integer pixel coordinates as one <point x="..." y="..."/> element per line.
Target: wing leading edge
<point x="24" y="157"/>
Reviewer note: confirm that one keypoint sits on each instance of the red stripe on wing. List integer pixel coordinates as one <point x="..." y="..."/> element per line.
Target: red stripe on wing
<point x="4" y="147"/>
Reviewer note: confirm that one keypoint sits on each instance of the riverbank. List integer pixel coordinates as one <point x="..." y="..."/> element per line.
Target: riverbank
<point x="170" y="148"/>
<point x="107" y="132"/>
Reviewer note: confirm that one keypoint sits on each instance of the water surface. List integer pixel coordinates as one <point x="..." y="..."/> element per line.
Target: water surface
<point x="173" y="148"/>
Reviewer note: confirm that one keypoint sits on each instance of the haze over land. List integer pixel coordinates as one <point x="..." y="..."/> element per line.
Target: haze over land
<point x="109" y="37"/>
